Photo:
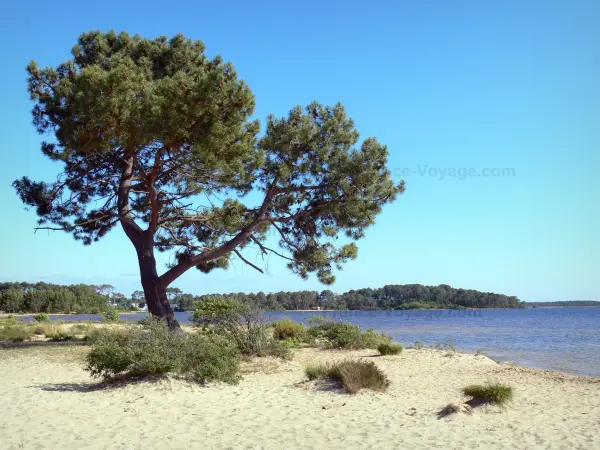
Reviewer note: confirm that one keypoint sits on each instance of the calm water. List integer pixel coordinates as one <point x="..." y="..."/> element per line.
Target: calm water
<point x="561" y="339"/>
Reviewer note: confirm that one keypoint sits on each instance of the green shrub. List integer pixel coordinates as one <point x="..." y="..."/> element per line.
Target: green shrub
<point x="353" y="375"/>
<point x="111" y="315"/>
<point x="489" y="393"/>
<point x="42" y="317"/>
<point x="346" y="335"/>
<point x="388" y="348"/>
<point x="154" y="349"/>
<point x="418" y="345"/>
<point x="208" y="358"/>
<point x="288" y="329"/>
<point x="373" y="339"/>
<point x="242" y="324"/>
<point x="314" y="321"/>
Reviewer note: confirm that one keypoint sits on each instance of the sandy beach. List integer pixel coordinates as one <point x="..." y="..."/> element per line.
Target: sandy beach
<point x="49" y="402"/>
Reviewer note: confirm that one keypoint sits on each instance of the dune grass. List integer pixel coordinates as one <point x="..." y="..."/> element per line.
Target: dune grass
<point x="495" y="393"/>
<point x="353" y="375"/>
<point x="390" y="348"/>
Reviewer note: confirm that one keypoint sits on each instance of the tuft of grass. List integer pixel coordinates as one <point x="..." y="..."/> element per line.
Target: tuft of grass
<point x="489" y="393"/>
<point x="389" y="348"/>
<point x="318" y="370"/>
<point x="353" y="375"/>
<point x="15" y="334"/>
<point x="58" y="334"/>
<point x="357" y="375"/>
<point x="418" y="345"/>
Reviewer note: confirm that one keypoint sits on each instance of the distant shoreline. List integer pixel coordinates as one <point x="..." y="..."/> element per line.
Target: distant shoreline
<point x="129" y="313"/>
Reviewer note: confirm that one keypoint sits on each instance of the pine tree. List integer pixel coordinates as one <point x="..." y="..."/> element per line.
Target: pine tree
<point x="156" y="138"/>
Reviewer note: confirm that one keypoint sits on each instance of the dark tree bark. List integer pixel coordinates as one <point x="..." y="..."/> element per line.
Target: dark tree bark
<point x="154" y="291"/>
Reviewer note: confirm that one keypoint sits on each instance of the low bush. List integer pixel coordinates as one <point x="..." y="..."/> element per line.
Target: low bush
<point x="288" y="329"/>
<point x="353" y="375"/>
<point x="42" y="317"/>
<point x="346" y="335"/>
<point x="15" y="333"/>
<point x="389" y="348"/>
<point x="153" y="349"/>
<point x="242" y="324"/>
<point x="489" y="393"/>
<point x="111" y="315"/>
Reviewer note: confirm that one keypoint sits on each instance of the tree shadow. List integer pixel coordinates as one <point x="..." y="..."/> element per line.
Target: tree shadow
<point x="116" y="383"/>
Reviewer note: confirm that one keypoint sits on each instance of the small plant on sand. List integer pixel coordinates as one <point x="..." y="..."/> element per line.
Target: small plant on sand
<point x="42" y="317"/>
<point x="353" y="375"/>
<point x="418" y="345"/>
<point x="389" y="348"/>
<point x="111" y="315"/>
<point x="489" y="393"/>
<point x="287" y="329"/>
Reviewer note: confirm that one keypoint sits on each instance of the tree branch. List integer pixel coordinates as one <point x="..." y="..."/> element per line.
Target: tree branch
<point x="131" y="228"/>
<point x="248" y="262"/>
<point x="174" y="272"/>
<point x="265" y="249"/>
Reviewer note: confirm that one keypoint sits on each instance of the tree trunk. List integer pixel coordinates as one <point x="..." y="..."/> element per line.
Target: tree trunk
<point x="154" y="291"/>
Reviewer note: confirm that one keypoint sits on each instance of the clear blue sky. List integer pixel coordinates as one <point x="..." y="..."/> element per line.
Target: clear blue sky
<point x="446" y="85"/>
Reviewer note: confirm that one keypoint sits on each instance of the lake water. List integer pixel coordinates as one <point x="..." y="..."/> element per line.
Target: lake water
<point x="560" y="339"/>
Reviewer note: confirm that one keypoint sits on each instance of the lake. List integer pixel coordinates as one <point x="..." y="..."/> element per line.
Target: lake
<point x="561" y="339"/>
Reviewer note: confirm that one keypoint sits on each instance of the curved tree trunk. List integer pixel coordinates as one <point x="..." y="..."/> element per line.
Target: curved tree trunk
<point x="154" y="291"/>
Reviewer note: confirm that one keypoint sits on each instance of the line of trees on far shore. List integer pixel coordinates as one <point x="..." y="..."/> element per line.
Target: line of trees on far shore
<point x="82" y="298"/>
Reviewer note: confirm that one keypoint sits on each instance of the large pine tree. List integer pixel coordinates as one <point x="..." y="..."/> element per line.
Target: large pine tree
<point x="155" y="137"/>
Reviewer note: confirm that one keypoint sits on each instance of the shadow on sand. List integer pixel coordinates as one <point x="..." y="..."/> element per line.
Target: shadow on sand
<point x="117" y="383"/>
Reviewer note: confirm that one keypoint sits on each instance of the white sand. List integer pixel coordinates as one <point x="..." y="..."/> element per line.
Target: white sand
<point x="48" y="402"/>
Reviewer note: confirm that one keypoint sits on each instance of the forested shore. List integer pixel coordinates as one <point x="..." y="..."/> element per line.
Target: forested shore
<point x="24" y="297"/>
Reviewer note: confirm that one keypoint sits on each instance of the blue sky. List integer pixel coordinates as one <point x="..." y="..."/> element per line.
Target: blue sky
<point x="466" y="85"/>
